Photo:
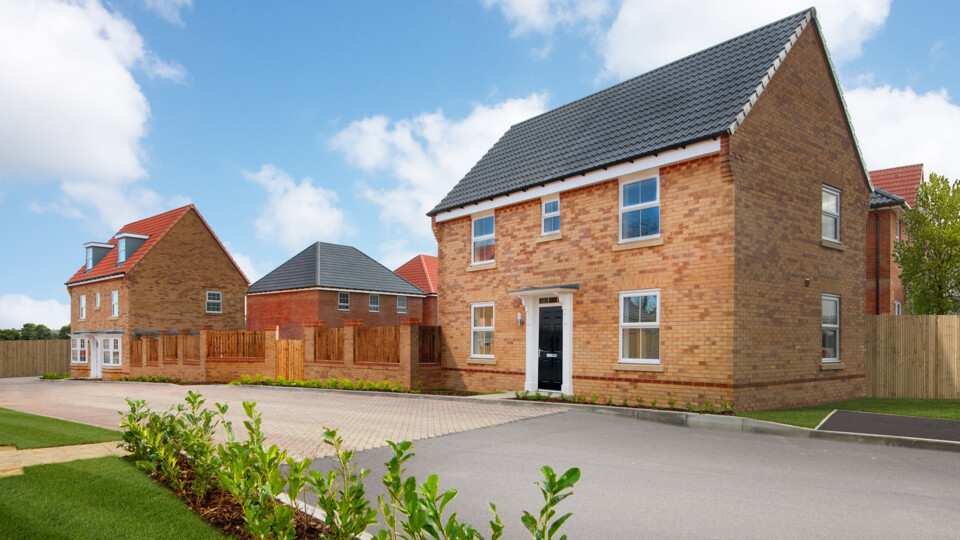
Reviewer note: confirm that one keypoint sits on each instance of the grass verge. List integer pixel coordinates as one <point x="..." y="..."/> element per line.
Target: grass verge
<point x="31" y="431"/>
<point x="93" y="498"/>
<point x="811" y="416"/>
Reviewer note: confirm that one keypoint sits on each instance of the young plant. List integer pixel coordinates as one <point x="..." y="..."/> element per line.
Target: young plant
<point x="554" y="491"/>
<point x="593" y="399"/>
<point x="197" y="428"/>
<point x="727" y="406"/>
<point x="653" y="403"/>
<point x="671" y="402"/>
<point x="688" y="407"/>
<point x="640" y="400"/>
<point x="707" y="406"/>
<point x="340" y="492"/>
<point x="625" y="402"/>
<point x="609" y="401"/>
<point x="416" y="387"/>
<point x="398" y="387"/>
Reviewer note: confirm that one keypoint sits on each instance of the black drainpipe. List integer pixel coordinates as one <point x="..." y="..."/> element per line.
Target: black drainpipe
<point x="876" y="216"/>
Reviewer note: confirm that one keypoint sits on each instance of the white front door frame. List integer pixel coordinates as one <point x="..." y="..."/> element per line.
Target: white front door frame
<point x="531" y="304"/>
<point x="95" y="357"/>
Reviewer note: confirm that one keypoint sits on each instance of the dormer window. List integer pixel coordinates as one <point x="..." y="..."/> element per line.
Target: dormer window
<point x="127" y="244"/>
<point x="89" y="259"/>
<point x="121" y="251"/>
<point x="96" y="251"/>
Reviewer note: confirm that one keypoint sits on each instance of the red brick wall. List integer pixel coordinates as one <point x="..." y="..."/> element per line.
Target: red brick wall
<point x="891" y="288"/>
<point x="794" y="140"/>
<point x="429" y="311"/>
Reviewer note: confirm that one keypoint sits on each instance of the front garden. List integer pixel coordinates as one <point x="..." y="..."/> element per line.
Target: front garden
<point x="25" y="430"/>
<point x="810" y="417"/>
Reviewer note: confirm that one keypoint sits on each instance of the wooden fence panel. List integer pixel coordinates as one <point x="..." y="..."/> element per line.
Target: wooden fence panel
<point x="136" y="352"/>
<point x="28" y="358"/>
<point x="170" y="347"/>
<point x="235" y="344"/>
<point x="913" y="356"/>
<point x="429" y="345"/>
<point x="290" y="359"/>
<point x="328" y="345"/>
<point x="191" y="347"/>
<point x="151" y="352"/>
<point x="379" y="345"/>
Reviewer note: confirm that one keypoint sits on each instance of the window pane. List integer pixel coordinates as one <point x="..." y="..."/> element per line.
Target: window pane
<point x="829" y="349"/>
<point x="483" y="250"/>
<point x="631" y="343"/>
<point x="648" y="190"/>
<point x="551" y="224"/>
<point x="650" y="221"/>
<point x="829" y="227"/>
<point x="483" y="316"/>
<point x="631" y="194"/>
<point x="483" y="227"/>
<point x="550" y="207"/>
<point x="631" y="309"/>
<point x="649" y="311"/>
<point x="830" y="202"/>
<point x="830" y="315"/>
<point x="482" y="342"/>
<point x="650" y="344"/>
<point x="631" y="224"/>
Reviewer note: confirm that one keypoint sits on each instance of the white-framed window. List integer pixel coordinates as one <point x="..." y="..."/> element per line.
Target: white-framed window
<point x="214" y="302"/>
<point x="898" y="229"/>
<point x="96" y="301"/>
<point x="111" y="351"/>
<point x="343" y="301"/>
<point x="401" y="304"/>
<point x="897" y="307"/>
<point x="374" y="303"/>
<point x="78" y="351"/>
<point x="830" y="339"/>
<point x="551" y="217"/>
<point x="484" y="239"/>
<point x="115" y="303"/>
<point x="83" y="307"/>
<point x="640" y="327"/>
<point x="89" y="259"/>
<point x="640" y="209"/>
<point x="481" y="330"/>
<point x="830" y="214"/>
<point x="121" y="251"/>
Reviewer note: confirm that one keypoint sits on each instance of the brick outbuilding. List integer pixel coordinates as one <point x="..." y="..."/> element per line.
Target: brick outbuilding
<point x="695" y="233"/>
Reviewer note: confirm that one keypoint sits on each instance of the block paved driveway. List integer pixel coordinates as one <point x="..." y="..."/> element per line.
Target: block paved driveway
<point x="292" y="418"/>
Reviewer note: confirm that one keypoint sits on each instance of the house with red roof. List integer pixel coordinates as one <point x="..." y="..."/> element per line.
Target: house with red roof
<point x="895" y="190"/>
<point x="163" y="274"/>
<point x="423" y="271"/>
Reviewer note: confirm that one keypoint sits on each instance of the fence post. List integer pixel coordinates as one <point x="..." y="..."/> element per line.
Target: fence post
<point x="203" y="353"/>
<point x="350" y="343"/>
<point x="162" y="347"/>
<point x="270" y="336"/>
<point x="409" y="353"/>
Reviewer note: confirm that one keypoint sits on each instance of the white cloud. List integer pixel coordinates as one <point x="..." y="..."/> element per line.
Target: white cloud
<point x="70" y="109"/>
<point x="297" y="214"/>
<point x="17" y="309"/>
<point x="168" y="10"/>
<point x="544" y="16"/>
<point x="247" y="265"/>
<point x="938" y="49"/>
<point x="646" y="35"/>
<point x="900" y="127"/>
<point x="427" y="154"/>
<point x="395" y="253"/>
<point x="156" y="68"/>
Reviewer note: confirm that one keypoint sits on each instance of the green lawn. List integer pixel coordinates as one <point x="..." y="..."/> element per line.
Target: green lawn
<point x="104" y="498"/>
<point x="811" y="416"/>
<point x="32" y="431"/>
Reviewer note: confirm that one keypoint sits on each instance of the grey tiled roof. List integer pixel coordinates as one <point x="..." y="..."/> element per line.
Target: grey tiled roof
<point x="880" y="198"/>
<point x="336" y="267"/>
<point x="691" y="99"/>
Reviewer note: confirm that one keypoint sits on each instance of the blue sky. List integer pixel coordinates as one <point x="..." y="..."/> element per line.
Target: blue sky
<point x="291" y="122"/>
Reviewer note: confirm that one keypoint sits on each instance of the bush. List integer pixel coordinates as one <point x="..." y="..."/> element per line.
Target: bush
<point x="54" y="375"/>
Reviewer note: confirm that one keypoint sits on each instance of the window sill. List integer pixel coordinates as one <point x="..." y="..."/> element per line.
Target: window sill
<point x="625" y="366"/>
<point x="550" y="237"/>
<point x="832" y="366"/>
<point x="832" y="245"/>
<point x="482" y="361"/>
<point x="637" y="244"/>
<point x="482" y="266"/>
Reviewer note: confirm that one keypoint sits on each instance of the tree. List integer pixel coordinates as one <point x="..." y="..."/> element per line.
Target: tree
<point x="64" y="332"/>
<point x="9" y="334"/>
<point x="929" y="258"/>
<point x="28" y="331"/>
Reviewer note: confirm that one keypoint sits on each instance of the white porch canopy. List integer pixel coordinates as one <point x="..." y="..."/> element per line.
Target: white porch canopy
<point x="531" y="303"/>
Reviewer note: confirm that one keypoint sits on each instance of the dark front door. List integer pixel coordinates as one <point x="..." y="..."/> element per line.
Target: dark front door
<point x="551" y="348"/>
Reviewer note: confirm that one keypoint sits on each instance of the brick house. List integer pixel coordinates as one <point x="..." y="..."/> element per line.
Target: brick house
<point x="895" y="191"/>
<point x="694" y="233"/>
<point x="162" y="274"/>
<point x="422" y="271"/>
<point x="334" y="284"/>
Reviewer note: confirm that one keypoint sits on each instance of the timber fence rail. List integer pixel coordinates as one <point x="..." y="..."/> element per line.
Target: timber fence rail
<point x="913" y="356"/>
<point x="235" y="344"/>
<point x="27" y="358"/>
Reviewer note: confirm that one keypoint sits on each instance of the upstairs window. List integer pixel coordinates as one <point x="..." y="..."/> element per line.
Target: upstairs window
<point x="551" y="217"/>
<point x="640" y="209"/>
<point x="89" y="259"/>
<point x="897" y="307"/>
<point x="481" y="330"/>
<point x="374" y="303"/>
<point x="83" y="307"/>
<point x="401" y="304"/>
<point x="483" y="240"/>
<point x="830" y="334"/>
<point x="898" y="230"/>
<point x="96" y="301"/>
<point x="640" y="327"/>
<point x="121" y="251"/>
<point x="111" y="351"/>
<point x="115" y="303"/>
<point x="830" y="214"/>
<point x="343" y="301"/>
<point x="214" y="302"/>
<point x="78" y="351"/>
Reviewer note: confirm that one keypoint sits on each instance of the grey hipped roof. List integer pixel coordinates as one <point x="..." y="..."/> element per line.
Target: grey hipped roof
<point x="881" y="198"/>
<point x="689" y="100"/>
<point x="335" y="267"/>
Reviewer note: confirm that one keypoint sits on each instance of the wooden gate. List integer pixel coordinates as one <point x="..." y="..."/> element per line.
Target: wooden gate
<point x="290" y="359"/>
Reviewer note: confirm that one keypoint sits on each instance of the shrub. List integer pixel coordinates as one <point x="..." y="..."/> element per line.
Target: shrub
<point x="333" y="384"/>
<point x="340" y="492"/>
<point x="245" y="379"/>
<point x="671" y="402"/>
<point x="234" y="383"/>
<point x="398" y="387"/>
<point x="54" y="375"/>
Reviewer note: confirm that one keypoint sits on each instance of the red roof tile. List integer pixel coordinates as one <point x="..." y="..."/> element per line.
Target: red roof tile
<point x="156" y="227"/>
<point x="901" y="181"/>
<point x="422" y="271"/>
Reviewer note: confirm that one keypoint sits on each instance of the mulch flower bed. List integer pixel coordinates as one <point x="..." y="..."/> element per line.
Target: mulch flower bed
<point x="569" y="401"/>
